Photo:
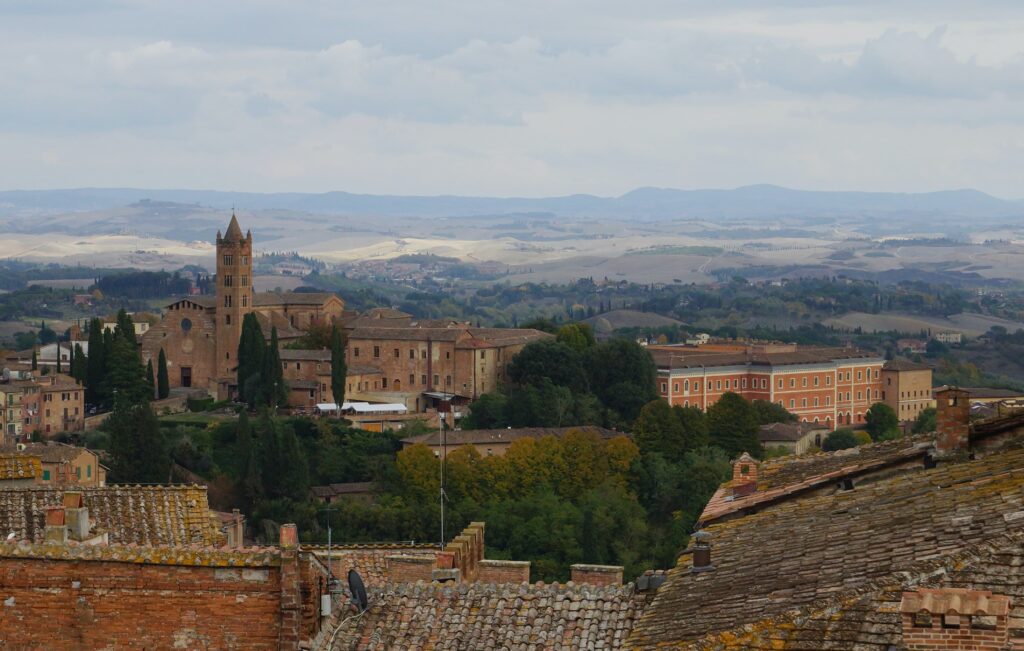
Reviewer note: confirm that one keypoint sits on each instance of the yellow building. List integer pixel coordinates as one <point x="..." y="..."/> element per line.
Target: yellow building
<point x="907" y="388"/>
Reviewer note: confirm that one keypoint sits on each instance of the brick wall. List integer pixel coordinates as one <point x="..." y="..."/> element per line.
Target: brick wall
<point x="952" y="422"/>
<point x="409" y="569"/>
<point x="600" y="575"/>
<point x="491" y="571"/>
<point x="75" y="604"/>
<point x="931" y="621"/>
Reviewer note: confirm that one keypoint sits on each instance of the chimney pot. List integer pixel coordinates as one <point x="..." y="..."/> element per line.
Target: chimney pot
<point x="289" y="536"/>
<point x="952" y="428"/>
<point x="702" y="552"/>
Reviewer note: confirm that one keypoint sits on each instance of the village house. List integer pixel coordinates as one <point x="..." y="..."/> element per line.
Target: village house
<point x="907" y="388"/>
<point x="829" y="387"/>
<point x="18" y="470"/>
<point x="61" y="464"/>
<point x="795" y="438"/>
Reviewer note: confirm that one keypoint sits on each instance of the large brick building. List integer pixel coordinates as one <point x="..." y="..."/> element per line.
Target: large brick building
<point x="907" y="388"/>
<point x="831" y="387"/>
<point x="199" y="334"/>
<point x="422" y="361"/>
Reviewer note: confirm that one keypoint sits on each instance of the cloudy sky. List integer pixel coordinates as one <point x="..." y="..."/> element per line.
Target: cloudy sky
<point x="532" y="97"/>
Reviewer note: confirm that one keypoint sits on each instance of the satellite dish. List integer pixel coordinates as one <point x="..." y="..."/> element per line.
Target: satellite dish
<point x="358" y="590"/>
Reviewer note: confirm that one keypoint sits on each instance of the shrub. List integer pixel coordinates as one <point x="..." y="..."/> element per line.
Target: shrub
<point x="840" y="439"/>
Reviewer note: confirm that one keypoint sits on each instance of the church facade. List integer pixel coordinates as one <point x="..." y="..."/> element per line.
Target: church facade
<point x="199" y="334"/>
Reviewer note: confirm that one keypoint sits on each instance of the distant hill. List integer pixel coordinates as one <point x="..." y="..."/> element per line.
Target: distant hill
<point x="755" y="201"/>
<point x="611" y="321"/>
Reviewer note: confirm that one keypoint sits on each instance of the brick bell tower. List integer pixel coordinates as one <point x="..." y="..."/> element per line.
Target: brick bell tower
<point x="234" y="294"/>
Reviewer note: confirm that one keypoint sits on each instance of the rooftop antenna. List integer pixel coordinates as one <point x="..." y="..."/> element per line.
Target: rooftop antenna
<point x="330" y="572"/>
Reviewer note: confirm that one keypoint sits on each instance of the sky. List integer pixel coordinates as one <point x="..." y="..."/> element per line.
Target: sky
<point x="524" y="98"/>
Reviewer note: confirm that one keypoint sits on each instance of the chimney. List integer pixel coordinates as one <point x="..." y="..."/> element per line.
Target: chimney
<point x="952" y="430"/>
<point x="289" y="536"/>
<point x="702" y="552"/>
<point x="744" y="474"/>
<point x="76" y="516"/>
<point x="56" y="531"/>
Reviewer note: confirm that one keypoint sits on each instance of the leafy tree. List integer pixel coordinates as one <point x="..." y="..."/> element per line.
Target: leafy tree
<point x="548" y="359"/>
<point x="658" y="430"/>
<point x="577" y="336"/>
<point x="925" y="421"/>
<point x="769" y="412"/>
<point x="881" y="422"/>
<point x="163" y="384"/>
<point x="46" y="335"/>
<point x="293" y="475"/>
<point x="622" y="376"/>
<point x="487" y="412"/>
<point x="733" y="425"/>
<point x="840" y="439"/>
<point x="339" y="370"/>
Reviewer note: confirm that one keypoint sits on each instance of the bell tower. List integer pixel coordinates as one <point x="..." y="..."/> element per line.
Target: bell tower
<point x="234" y="294"/>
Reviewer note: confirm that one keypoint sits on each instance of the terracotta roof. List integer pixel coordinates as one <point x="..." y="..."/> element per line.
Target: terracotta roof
<point x="268" y="299"/>
<point x="900" y="364"/>
<point x="778" y="479"/>
<point x="206" y="301"/>
<point x="490" y="617"/>
<point x="816" y="557"/>
<point x="485" y="436"/>
<point x="980" y="393"/>
<point x="50" y="452"/>
<point x="19" y="466"/>
<point x="144" y="515"/>
<point x="465" y="336"/>
<point x="784" y="432"/>
<point x="188" y="555"/>
<point x="285" y="329"/>
<point x="696" y="358"/>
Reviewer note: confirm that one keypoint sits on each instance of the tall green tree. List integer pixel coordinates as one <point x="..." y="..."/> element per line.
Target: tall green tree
<point x="339" y="370"/>
<point x="138" y="451"/>
<point x="35" y="359"/>
<point x="96" y="366"/>
<point x="622" y="375"/>
<point x="248" y="464"/>
<point x="275" y="389"/>
<point x="150" y="380"/>
<point x="577" y="336"/>
<point x="251" y="349"/>
<point x="733" y="425"/>
<point x="79" y="367"/>
<point x="58" y="358"/>
<point x="125" y="326"/>
<point x="126" y="376"/>
<point x="925" y="421"/>
<point x="163" y="384"/>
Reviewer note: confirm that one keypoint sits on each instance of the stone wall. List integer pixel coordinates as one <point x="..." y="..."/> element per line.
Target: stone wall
<point x="597" y="574"/>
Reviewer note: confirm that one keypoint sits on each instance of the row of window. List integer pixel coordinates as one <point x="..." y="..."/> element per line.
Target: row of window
<point x="64" y="396"/>
<point x="229" y="281"/>
<point x="230" y="260"/>
<point x="396" y="384"/>
<point x="754" y="383"/>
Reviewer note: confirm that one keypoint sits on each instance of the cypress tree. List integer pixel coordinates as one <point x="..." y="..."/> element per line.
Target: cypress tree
<point x="163" y="384"/>
<point x="125" y="326"/>
<point x="339" y="370"/>
<point x="149" y="378"/>
<point x="58" y="358"/>
<point x="126" y="379"/>
<point x="248" y="468"/>
<point x="251" y="349"/>
<point x="275" y="391"/>
<point x="35" y="359"/>
<point x="95" y="365"/>
<point x="80" y="365"/>
<point x="293" y="480"/>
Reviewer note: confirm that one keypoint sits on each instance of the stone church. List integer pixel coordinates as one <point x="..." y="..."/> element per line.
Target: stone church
<point x="199" y="334"/>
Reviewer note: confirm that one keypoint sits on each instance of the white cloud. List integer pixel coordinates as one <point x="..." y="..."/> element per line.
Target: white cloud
<point x="525" y="98"/>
